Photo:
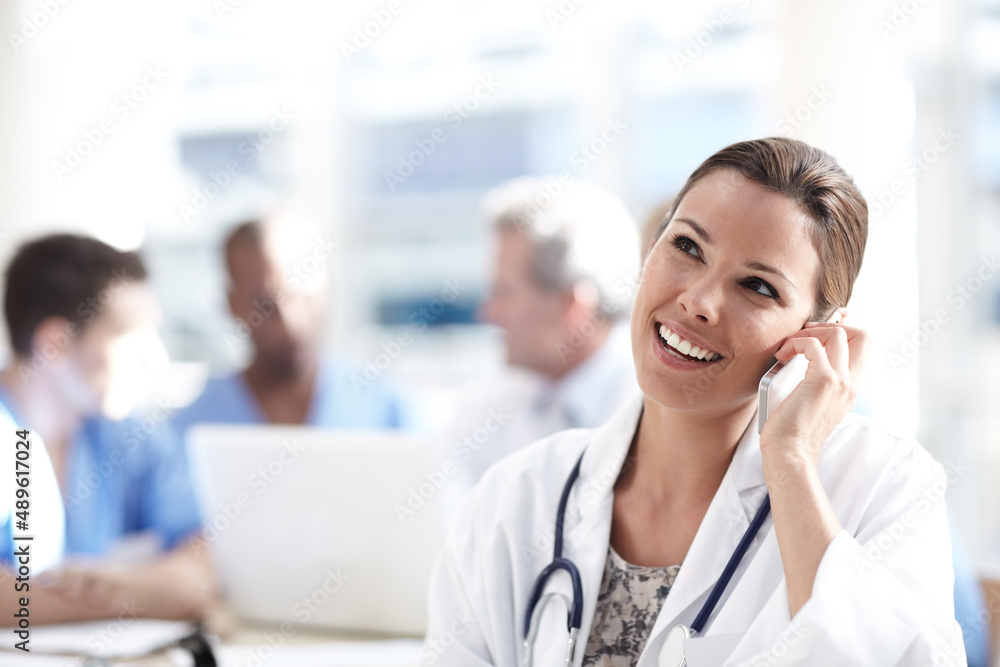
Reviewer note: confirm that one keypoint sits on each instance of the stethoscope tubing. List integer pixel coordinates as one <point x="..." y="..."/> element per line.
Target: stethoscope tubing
<point x="575" y="619"/>
<point x="559" y="563"/>
<point x="732" y="565"/>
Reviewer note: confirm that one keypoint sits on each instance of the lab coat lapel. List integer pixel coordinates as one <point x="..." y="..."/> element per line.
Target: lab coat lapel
<point x="588" y="523"/>
<point x="728" y="516"/>
<point x="590" y="511"/>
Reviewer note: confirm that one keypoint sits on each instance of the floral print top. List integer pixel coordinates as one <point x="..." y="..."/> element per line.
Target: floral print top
<point x="627" y="607"/>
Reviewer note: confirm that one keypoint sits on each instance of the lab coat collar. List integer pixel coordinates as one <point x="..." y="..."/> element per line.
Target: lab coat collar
<point x="609" y="446"/>
<point x="737" y="499"/>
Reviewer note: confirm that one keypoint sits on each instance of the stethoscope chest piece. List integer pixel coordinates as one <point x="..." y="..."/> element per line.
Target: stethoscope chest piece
<point x="672" y="653"/>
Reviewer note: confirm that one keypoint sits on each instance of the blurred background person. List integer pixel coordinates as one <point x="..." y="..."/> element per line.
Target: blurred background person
<point x="281" y="306"/>
<point x="82" y="321"/>
<point x="563" y="275"/>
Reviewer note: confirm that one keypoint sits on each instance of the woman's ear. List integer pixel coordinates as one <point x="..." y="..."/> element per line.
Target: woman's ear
<point x="836" y="317"/>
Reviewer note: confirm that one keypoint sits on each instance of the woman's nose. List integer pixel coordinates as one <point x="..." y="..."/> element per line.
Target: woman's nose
<point x="702" y="299"/>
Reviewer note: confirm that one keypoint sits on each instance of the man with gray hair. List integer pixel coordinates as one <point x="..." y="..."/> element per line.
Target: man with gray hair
<point x="565" y="269"/>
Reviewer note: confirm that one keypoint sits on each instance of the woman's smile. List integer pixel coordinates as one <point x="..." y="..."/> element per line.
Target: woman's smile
<point x="678" y="350"/>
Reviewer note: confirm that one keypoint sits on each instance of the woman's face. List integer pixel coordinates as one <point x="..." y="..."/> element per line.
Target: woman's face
<point x="734" y="273"/>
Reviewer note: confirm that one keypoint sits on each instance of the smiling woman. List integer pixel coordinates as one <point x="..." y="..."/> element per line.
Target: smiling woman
<point x="844" y="551"/>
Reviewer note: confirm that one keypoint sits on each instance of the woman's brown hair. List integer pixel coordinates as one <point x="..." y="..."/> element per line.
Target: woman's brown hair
<point x="814" y="180"/>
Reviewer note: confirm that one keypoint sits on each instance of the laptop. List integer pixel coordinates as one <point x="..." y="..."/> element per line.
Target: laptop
<point x="331" y="528"/>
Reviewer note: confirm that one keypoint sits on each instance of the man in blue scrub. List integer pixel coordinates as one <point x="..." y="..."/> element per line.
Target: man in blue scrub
<point x="82" y="324"/>
<point x="279" y="299"/>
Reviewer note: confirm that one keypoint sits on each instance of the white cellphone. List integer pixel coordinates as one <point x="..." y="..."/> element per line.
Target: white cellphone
<point x="780" y="380"/>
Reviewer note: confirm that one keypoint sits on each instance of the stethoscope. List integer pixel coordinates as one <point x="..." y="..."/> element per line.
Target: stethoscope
<point x="672" y="653"/>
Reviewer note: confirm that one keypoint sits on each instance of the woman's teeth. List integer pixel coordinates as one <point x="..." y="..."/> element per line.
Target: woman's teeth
<point x="685" y="347"/>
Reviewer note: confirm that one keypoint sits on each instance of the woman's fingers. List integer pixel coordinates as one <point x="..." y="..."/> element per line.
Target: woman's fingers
<point x="846" y="347"/>
<point x="815" y="354"/>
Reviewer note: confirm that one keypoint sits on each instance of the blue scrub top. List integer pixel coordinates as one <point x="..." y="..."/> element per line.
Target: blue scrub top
<point x="123" y="478"/>
<point x="343" y="398"/>
<point x="128" y="477"/>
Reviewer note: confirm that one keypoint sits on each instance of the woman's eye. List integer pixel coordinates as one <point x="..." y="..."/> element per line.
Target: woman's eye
<point x="759" y="286"/>
<point x="686" y="245"/>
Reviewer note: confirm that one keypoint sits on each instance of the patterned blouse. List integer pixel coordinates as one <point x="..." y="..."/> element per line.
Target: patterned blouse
<point x="627" y="607"/>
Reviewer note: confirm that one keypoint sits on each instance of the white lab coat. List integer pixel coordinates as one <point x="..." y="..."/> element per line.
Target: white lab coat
<point x="882" y="595"/>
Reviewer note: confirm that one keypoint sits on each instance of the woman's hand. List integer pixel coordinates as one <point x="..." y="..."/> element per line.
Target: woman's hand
<point x="804" y="520"/>
<point x="797" y="429"/>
